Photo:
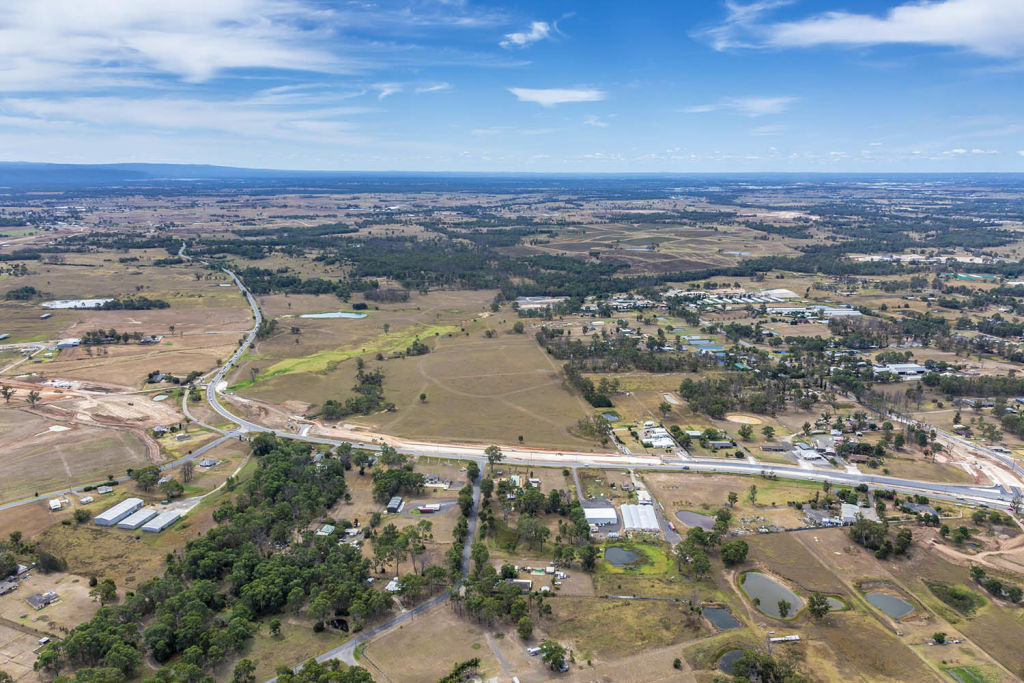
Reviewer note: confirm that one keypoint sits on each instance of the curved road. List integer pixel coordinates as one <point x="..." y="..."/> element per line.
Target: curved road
<point x="995" y="496"/>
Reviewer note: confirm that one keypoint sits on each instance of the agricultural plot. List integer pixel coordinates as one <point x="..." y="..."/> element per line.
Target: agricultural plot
<point x="38" y="458"/>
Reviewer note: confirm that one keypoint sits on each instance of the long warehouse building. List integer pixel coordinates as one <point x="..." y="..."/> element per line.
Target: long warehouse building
<point x="112" y="516"/>
<point x="137" y="519"/>
<point x="161" y="521"/>
<point x="639" y="518"/>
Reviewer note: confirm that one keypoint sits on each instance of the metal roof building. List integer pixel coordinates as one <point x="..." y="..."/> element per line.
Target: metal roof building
<point x="113" y="515"/>
<point x="161" y="521"/>
<point x="639" y="518"/>
<point x="136" y="519"/>
<point x="601" y="514"/>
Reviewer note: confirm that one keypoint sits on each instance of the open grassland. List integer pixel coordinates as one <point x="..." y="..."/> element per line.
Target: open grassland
<point x="478" y="389"/>
<point x="428" y="647"/>
<point x="296" y="643"/>
<point x="196" y="305"/>
<point x="605" y="630"/>
<point x="38" y="460"/>
<point x="649" y="247"/>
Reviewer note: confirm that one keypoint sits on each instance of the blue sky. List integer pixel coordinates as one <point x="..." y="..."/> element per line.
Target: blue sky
<point x="463" y="85"/>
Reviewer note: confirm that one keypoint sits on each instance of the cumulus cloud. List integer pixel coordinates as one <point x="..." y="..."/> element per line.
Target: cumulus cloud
<point x="549" y="97"/>
<point x="750" y="106"/>
<point x="539" y="30"/>
<point x="986" y="27"/>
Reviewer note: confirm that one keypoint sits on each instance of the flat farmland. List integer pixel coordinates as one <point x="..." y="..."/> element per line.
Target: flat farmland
<point x="92" y="276"/>
<point x="129" y="364"/>
<point x="35" y="459"/>
<point x="406" y="654"/>
<point x="649" y="247"/>
<point x="506" y="384"/>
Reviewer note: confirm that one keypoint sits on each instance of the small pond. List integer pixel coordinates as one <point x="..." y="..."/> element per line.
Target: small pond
<point x="769" y="591"/>
<point x="890" y="604"/>
<point x="728" y="660"/>
<point x="620" y="557"/>
<point x="335" y="314"/>
<point x="611" y="417"/>
<point x="720" y="617"/>
<point x="688" y="518"/>
<point x="836" y="605"/>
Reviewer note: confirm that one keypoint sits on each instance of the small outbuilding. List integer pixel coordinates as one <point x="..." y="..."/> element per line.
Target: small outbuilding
<point x="394" y="505"/>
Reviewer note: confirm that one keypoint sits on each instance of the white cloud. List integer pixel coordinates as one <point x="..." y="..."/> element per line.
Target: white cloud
<point x="739" y="21"/>
<point x="437" y="87"/>
<point x="247" y="117"/>
<point x="1020" y="152"/>
<point x="751" y="106"/>
<point x="961" y="151"/>
<point x="81" y="44"/>
<point x="539" y="30"/>
<point x="549" y="97"/>
<point x="386" y="89"/>
<point x="767" y="130"/>
<point x="595" y="121"/>
<point x="987" y="27"/>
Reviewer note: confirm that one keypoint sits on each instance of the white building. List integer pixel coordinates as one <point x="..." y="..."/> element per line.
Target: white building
<point x="639" y="518"/>
<point x="136" y="519"/>
<point x="602" y="515"/>
<point x="161" y="521"/>
<point x="113" y="515"/>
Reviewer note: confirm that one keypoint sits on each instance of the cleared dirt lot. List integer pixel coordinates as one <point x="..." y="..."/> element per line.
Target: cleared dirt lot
<point x="36" y="459"/>
<point x="17" y="653"/>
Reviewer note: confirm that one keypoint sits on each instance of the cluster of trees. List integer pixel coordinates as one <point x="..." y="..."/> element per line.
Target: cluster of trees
<point x="208" y="601"/>
<point x="26" y="293"/>
<point x="368" y="398"/>
<point x="133" y="303"/>
<point x="1000" y="589"/>
<point x="875" y="536"/>
<point x="592" y="394"/>
<point x="111" y="336"/>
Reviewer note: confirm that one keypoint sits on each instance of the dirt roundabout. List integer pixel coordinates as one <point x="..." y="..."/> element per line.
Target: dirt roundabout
<point x="744" y="419"/>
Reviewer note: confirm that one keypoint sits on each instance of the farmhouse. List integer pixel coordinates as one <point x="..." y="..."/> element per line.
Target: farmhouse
<point x="436" y="481"/>
<point x="41" y="600"/>
<point x="639" y="518"/>
<point x="325" y="530"/>
<point x="113" y="515"/>
<point x="848" y="513"/>
<point x="8" y="586"/>
<point x="525" y="585"/>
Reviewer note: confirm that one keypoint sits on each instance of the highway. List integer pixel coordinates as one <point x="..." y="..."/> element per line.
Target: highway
<point x="993" y="496"/>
